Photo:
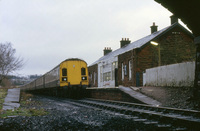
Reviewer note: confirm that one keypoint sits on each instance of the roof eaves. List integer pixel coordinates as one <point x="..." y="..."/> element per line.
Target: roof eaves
<point x="131" y="46"/>
<point x="149" y="38"/>
<point x="173" y="26"/>
<point x="187" y="31"/>
<point x="143" y="41"/>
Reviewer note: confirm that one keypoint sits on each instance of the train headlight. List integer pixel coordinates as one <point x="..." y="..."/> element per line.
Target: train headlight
<point x="64" y="79"/>
<point x="84" y="78"/>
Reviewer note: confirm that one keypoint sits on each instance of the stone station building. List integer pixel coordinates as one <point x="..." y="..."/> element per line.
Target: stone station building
<point x="126" y="65"/>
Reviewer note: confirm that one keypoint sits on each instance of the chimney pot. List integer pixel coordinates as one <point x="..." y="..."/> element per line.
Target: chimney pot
<point x="174" y="19"/>
<point x="124" y="42"/>
<point x="107" y="50"/>
<point x="154" y="28"/>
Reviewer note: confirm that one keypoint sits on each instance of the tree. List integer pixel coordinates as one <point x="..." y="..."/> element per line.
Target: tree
<point x="8" y="62"/>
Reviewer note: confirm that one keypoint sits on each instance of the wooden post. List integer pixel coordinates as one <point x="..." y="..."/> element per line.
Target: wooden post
<point x="196" y="91"/>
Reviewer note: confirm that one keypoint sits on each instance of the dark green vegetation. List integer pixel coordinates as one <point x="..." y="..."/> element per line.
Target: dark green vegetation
<point x="24" y="109"/>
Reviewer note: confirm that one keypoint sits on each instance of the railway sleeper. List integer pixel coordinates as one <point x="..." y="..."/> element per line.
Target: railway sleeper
<point x="180" y="123"/>
<point x="151" y="122"/>
<point x="112" y="108"/>
<point x="147" y="124"/>
<point x="180" y="129"/>
<point x="167" y="119"/>
<point x="164" y="126"/>
<point x="177" y="122"/>
<point x="147" y="107"/>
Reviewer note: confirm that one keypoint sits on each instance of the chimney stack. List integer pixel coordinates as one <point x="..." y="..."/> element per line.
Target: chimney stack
<point x="154" y="28"/>
<point x="124" y="42"/>
<point x="174" y="19"/>
<point x="107" y="50"/>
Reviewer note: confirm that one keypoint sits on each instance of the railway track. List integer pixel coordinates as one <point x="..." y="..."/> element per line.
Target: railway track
<point x="152" y="117"/>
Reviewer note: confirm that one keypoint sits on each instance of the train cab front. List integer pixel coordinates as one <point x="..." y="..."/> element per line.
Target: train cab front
<point x="74" y="80"/>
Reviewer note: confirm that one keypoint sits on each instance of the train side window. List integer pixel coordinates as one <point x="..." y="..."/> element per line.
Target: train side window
<point x="64" y="72"/>
<point x="83" y="72"/>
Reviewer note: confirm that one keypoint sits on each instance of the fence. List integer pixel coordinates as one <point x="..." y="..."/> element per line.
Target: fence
<point x="181" y="74"/>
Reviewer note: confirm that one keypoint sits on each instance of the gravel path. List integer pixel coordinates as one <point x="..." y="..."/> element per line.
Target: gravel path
<point x="64" y="116"/>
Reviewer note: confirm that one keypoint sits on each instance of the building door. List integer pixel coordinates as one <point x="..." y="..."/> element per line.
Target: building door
<point x="116" y="77"/>
<point x="137" y="79"/>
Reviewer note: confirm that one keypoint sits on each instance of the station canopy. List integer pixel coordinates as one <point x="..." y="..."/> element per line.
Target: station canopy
<point x="187" y="10"/>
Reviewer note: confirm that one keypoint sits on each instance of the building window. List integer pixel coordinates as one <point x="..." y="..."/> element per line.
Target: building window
<point x="107" y="76"/>
<point x="101" y="73"/>
<point x="94" y="78"/>
<point x="114" y="66"/>
<point x="64" y="72"/>
<point x="122" y="71"/>
<point x="83" y="72"/>
<point x="130" y="69"/>
<point x="90" y="76"/>
<point x="125" y="70"/>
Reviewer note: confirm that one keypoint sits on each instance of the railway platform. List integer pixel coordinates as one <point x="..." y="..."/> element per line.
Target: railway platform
<point x="12" y="99"/>
<point x="121" y="93"/>
<point x="139" y="96"/>
<point x="174" y="97"/>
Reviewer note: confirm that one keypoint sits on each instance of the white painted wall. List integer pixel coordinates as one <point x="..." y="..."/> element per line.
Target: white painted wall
<point x="106" y="66"/>
<point x="181" y="74"/>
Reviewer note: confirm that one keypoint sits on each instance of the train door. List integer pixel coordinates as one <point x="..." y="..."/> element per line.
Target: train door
<point x="75" y="72"/>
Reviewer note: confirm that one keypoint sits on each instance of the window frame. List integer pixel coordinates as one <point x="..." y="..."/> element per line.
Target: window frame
<point x="64" y="71"/>
<point x="122" y="71"/>
<point x="130" y="65"/>
<point x="83" y="71"/>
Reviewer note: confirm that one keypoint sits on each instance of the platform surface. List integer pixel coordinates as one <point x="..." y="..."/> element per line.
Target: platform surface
<point x="139" y="96"/>
<point x="12" y="99"/>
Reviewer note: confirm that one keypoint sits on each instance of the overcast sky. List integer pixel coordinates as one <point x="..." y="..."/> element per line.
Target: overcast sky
<point x="46" y="32"/>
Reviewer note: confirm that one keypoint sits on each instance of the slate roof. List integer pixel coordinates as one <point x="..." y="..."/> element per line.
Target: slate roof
<point x="139" y="43"/>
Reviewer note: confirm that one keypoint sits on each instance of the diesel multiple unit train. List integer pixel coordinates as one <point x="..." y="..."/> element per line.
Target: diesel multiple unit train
<point x="70" y="77"/>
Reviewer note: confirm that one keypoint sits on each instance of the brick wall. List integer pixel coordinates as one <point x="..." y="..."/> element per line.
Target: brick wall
<point x="110" y="94"/>
<point x="124" y="58"/>
<point x="176" y="46"/>
<point x="146" y="57"/>
<point x="93" y="79"/>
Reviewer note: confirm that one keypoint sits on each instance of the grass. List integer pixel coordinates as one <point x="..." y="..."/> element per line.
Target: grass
<point x="23" y="112"/>
<point x="3" y="93"/>
<point x="26" y="108"/>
